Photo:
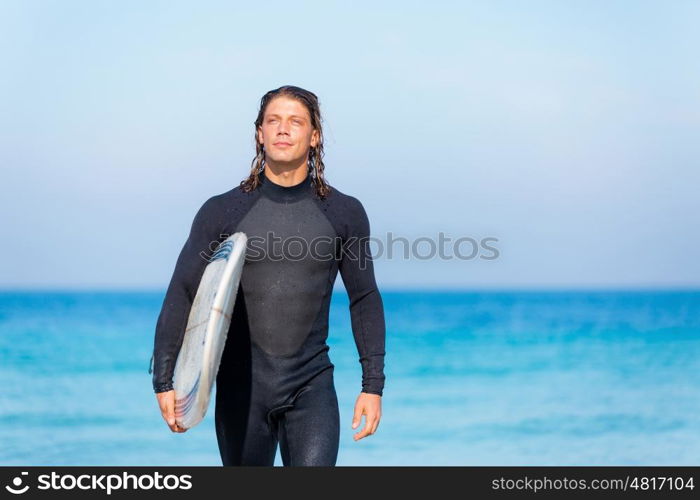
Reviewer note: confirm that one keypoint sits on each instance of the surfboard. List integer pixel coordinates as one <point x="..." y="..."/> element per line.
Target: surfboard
<point x="208" y="323"/>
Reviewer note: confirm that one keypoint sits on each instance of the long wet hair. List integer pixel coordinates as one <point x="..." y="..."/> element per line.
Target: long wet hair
<point x="315" y="160"/>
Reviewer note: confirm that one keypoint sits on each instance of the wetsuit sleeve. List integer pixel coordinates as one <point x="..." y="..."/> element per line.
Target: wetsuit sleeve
<point x="172" y="321"/>
<point x="366" y="307"/>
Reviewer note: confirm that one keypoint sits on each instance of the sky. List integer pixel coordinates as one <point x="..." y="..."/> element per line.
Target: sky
<point x="565" y="131"/>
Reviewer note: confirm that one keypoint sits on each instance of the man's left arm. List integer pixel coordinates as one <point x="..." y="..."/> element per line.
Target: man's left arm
<point x="366" y="315"/>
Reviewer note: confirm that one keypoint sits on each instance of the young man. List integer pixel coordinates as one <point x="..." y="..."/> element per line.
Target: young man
<point x="275" y="381"/>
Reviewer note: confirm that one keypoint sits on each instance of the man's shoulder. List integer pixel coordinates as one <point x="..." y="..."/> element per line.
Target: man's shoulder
<point x="234" y="198"/>
<point x="346" y="212"/>
<point x="343" y="202"/>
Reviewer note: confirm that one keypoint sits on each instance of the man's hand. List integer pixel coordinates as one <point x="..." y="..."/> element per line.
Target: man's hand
<point x="166" y="401"/>
<point x="369" y="405"/>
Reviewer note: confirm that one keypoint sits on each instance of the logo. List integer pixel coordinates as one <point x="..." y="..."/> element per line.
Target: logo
<point x="17" y="482"/>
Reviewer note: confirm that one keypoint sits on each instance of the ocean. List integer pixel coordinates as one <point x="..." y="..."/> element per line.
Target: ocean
<point x="472" y="378"/>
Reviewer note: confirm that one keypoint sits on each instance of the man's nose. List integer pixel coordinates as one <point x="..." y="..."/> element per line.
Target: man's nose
<point x="283" y="128"/>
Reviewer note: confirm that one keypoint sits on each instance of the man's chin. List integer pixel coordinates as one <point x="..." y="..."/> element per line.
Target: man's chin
<point x="282" y="160"/>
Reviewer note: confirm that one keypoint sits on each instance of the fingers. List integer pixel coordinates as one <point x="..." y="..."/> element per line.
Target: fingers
<point x="357" y="416"/>
<point x="371" y="423"/>
<point x="376" y="424"/>
<point x="166" y="401"/>
<point x="377" y="418"/>
<point x="170" y="411"/>
<point x="372" y="417"/>
<point x="370" y="406"/>
<point x="175" y="427"/>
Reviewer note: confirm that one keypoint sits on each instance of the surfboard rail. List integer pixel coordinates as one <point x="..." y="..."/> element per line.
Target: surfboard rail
<point x="207" y="327"/>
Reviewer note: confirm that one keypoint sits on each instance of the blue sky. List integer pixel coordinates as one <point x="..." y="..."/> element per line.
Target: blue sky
<point x="566" y="130"/>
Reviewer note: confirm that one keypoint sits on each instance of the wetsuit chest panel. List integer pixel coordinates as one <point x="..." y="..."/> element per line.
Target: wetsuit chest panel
<point x="290" y="253"/>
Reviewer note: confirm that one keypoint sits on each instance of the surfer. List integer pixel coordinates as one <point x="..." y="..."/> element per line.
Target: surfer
<point x="275" y="380"/>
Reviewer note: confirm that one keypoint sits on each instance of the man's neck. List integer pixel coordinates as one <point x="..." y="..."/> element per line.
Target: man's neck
<point x="286" y="176"/>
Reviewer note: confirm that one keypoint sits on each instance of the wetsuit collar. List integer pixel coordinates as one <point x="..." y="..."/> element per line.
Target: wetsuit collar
<point x="277" y="192"/>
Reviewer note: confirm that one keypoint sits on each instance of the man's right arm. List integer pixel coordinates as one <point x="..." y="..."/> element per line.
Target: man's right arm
<point x="172" y="321"/>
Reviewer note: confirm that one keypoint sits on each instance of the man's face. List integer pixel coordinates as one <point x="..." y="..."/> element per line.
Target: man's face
<point x="286" y="131"/>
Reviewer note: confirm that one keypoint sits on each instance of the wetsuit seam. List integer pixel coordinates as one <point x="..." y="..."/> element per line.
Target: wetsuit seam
<point x="261" y="195"/>
<point x="245" y="214"/>
<point x="290" y="400"/>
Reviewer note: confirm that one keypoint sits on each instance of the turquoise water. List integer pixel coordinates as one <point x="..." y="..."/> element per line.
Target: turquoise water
<point x="477" y="378"/>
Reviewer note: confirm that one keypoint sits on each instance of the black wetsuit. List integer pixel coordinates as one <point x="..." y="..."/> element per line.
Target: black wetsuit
<point x="275" y="380"/>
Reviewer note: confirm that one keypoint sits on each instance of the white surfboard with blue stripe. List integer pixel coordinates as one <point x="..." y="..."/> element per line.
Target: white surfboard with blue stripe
<point x="207" y="327"/>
